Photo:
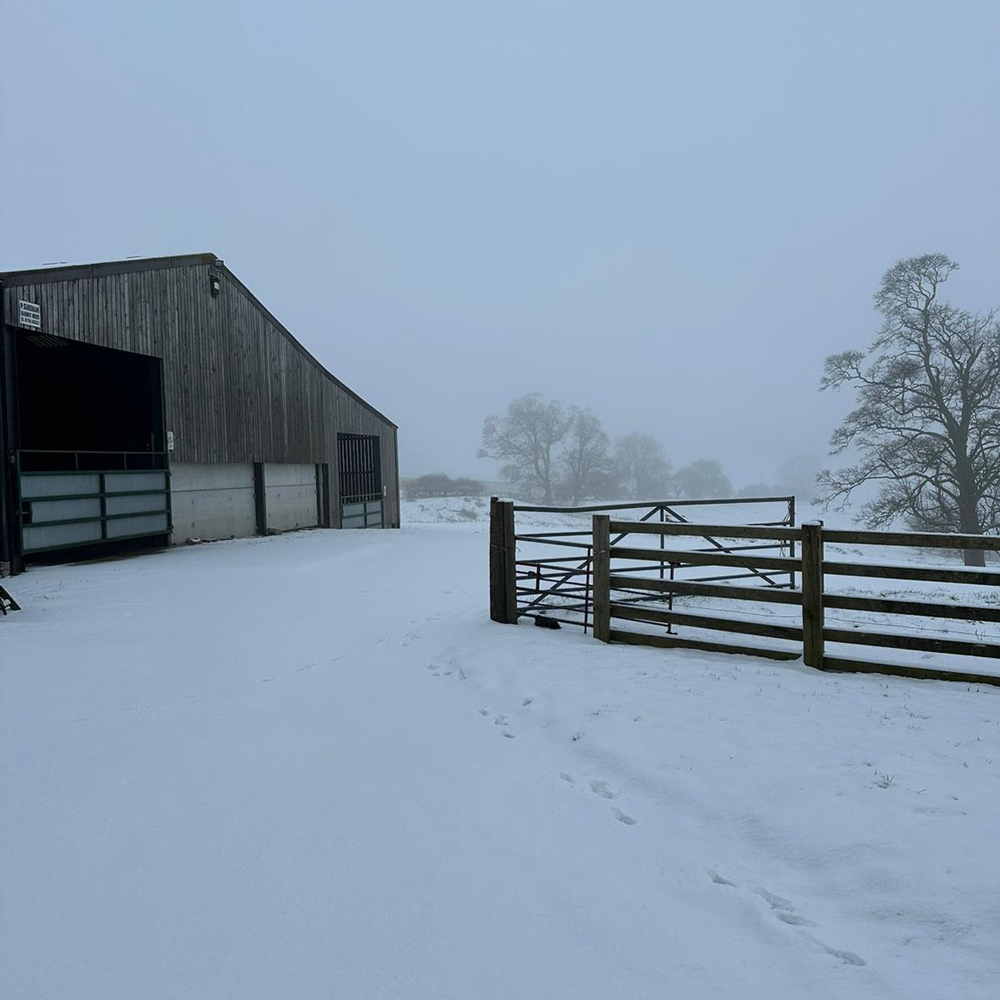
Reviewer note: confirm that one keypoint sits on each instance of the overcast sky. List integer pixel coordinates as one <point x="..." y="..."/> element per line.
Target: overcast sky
<point x="669" y="212"/>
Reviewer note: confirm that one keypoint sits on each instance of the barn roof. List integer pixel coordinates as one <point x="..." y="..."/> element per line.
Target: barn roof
<point x="69" y="272"/>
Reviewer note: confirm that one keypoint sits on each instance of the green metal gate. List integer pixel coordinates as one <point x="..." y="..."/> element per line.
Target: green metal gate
<point x="360" y="472"/>
<point x="74" y="499"/>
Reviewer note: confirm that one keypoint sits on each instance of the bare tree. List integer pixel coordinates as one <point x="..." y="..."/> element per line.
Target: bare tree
<point x="797" y="475"/>
<point x="642" y="469"/>
<point x="585" y="462"/>
<point x="525" y="439"/>
<point x="927" y="421"/>
<point x="703" y="478"/>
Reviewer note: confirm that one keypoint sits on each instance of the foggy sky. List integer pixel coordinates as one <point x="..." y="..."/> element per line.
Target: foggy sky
<point x="669" y="212"/>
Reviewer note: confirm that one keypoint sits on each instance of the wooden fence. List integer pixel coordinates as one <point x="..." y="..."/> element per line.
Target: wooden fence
<point x="547" y="574"/>
<point x="809" y="638"/>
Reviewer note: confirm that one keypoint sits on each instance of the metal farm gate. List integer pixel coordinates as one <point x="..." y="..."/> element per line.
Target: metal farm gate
<point x="70" y="500"/>
<point x="359" y="466"/>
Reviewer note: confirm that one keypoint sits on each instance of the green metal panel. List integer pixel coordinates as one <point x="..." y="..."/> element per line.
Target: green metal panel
<point x="63" y="509"/>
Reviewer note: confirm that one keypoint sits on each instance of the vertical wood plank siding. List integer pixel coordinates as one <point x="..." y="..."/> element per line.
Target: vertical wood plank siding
<point x="236" y="386"/>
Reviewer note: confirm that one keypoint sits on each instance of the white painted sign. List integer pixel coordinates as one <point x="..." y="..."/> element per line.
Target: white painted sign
<point x="170" y="440"/>
<point x="29" y="315"/>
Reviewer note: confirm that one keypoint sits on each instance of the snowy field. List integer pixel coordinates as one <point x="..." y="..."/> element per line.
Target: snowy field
<point x="309" y="766"/>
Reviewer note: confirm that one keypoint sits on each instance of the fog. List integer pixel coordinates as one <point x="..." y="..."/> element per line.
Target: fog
<point x="670" y="213"/>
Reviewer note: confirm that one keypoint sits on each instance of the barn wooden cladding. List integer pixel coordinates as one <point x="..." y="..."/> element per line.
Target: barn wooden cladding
<point x="237" y="387"/>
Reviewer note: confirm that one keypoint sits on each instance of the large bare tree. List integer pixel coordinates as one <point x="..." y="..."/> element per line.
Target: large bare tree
<point x="642" y="469"/>
<point x="585" y="462"/>
<point x="926" y="427"/>
<point x="525" y="440"/>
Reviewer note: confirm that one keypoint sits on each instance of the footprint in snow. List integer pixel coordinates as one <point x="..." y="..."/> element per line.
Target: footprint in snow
<point x="483" y="711"/>
<point x="848" y="957"/>
<point x="567" y="777"/>
<point x="623" y="817"/>
<point x="601" y="788"/>
<point x="719" y="879"/>
<point x="775" y="902"/>
<point x="507" y="735"/>
<point x="784" y="911"/>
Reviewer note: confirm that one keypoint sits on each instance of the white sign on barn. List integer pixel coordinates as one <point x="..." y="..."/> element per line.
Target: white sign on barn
<point x="29" y="315"/>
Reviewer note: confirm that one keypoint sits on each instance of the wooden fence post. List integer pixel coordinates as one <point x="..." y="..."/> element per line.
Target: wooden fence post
<point x="503" y="568"/>
<point x="812" y="593"/>
<point x="602" y="577"/>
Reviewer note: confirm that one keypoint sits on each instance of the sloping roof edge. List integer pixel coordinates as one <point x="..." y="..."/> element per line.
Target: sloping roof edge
<point x="69" y="272"/>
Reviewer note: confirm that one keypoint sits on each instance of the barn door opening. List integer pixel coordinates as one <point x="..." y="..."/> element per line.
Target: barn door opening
<point x="359" y="464"/>
<point x="91" y="468"/>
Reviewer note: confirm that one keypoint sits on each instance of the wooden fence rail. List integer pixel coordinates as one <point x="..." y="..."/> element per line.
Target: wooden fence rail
<point x="546" y="575"/>
<point x="813" y="634"/>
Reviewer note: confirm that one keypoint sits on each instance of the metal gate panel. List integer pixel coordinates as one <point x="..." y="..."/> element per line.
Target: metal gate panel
<point x="362" y="514"/>
<point x="360" y="475"/>
<point x="66" y="509"/>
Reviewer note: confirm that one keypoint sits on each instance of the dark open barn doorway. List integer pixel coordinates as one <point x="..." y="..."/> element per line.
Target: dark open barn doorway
<point x="92" y="474"/>
<point x="76" y="399"/>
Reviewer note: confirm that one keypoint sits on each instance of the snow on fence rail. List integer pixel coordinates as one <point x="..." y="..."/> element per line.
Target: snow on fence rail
<point x="811" y="634"/>
<point x="544" y="581"/>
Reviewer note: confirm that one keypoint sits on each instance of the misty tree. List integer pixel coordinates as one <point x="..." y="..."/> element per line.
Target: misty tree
<point x="641" y="468"/>
<point x="585" y="462"/>
<point x="703" y="478"/>
<point x="926" y="426"/>
<point x="758" y="490"/>
<point x="797" y="476"/>
<point x="525" y="440"/>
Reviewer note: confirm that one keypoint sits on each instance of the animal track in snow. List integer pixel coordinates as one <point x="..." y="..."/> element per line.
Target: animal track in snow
<point x="318" y="663"/>
<point x="845" y="956"/>
<point x="775" y="902"/>
<point x="508" y="735"/>
<point x="784" y="911"/>
<point x="567" y="777"/>
<point x="483" y="711"/>
<point x="719" y="879"/>
<point x="601" y="788"/>
<point x="792" y="918"/>
<point x="623" y="817"/>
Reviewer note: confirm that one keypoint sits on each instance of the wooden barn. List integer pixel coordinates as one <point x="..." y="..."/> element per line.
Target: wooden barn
<point x="149" y="402"/>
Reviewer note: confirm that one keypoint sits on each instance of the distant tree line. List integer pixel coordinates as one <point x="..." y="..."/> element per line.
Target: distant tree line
<point x="437" y="484"/>
<point x="557" y="453"/>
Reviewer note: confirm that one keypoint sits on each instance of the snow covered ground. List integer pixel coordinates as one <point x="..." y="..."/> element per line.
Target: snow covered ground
<point x="309" y="766"/>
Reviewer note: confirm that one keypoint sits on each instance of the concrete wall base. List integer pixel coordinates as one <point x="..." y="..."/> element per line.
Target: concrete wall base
<point x="212" y="500"/>
<point x="216" y="500"/>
